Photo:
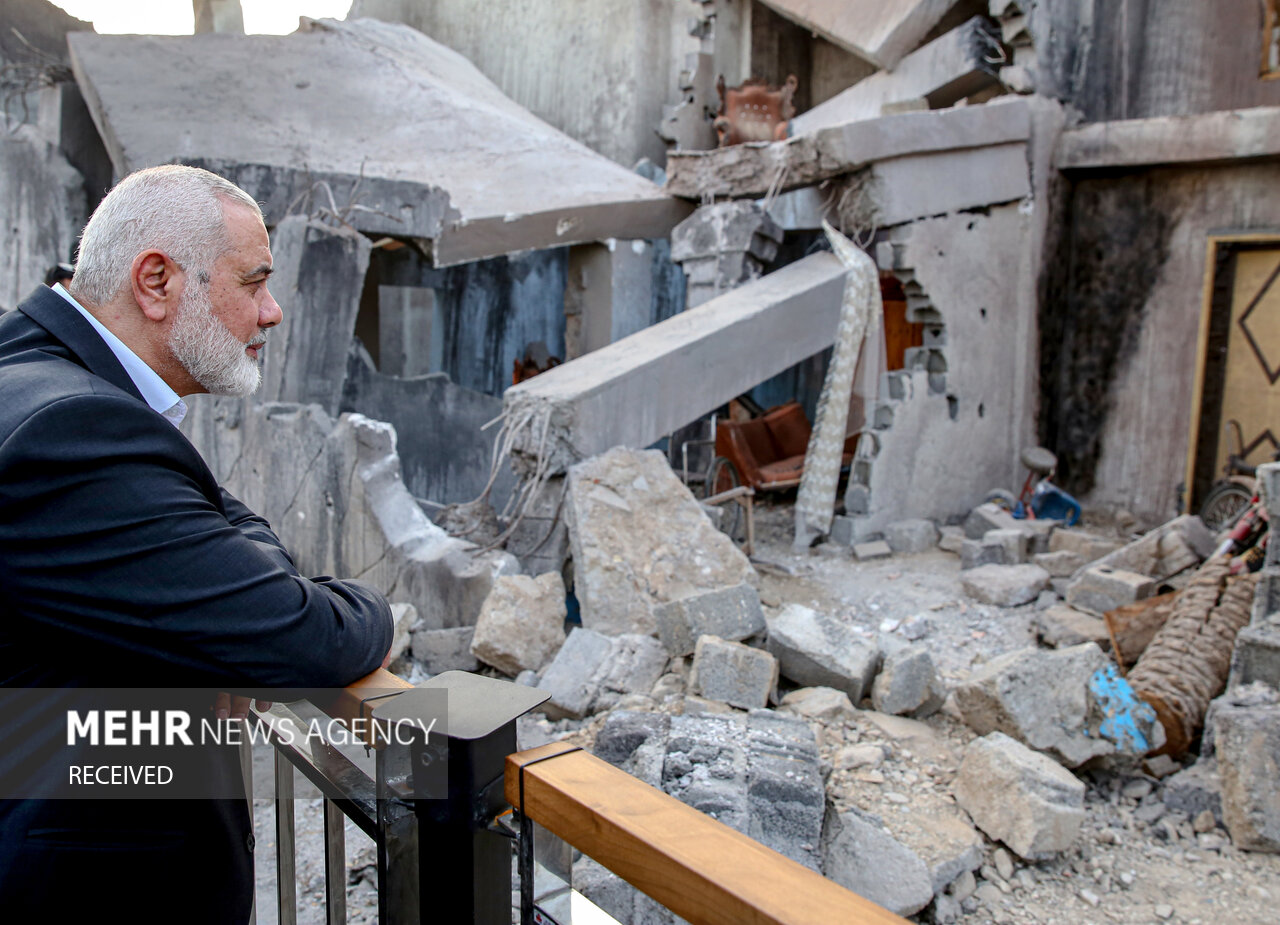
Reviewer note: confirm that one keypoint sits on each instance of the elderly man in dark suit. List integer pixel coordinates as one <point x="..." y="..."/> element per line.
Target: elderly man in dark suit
<point x="123" y="563"/>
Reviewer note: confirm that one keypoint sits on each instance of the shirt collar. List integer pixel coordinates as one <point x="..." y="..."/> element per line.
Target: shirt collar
<point x="154" y="390"/>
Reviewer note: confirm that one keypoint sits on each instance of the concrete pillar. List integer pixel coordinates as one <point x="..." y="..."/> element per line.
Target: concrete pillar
<point x="609" y="294"/>
<point x="218" y="16"/>
<point x="723" y="245"/>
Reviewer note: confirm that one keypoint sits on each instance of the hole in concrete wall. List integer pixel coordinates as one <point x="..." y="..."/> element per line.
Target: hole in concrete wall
<point x="982" y="409"/>
<point x="983" y="313"/>
<point x="953" y="407"/>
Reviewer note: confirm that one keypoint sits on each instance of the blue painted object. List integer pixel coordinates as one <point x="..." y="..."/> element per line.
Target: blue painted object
<point x="1051" y="502"/>
<point x="1127" y="721"/>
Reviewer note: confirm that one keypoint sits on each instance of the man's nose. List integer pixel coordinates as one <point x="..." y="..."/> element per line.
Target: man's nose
<point x="270" y="314"/>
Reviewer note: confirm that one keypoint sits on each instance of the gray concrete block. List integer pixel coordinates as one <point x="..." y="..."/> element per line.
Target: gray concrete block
<point x="1039" y="697"/>
<point x="1040" y="533"/>
<point x="986" y="517"/>
<point x="521" y="624"/>
<point x="976" y="553"/>
<point x="730" y="613"/>
<point x="592" y="672"/>
<point x="786" y="797"/>
<point x="911" y="536"/>
<point x="825" y="704"/>
<point x="876" y="549"/>
<point x="1257" y="655"/>
<point x="1247" y="745"/>
<point x="951" y="539"/>
<point x="706" y="766"/>
<point x="1016" y="543"/>
<point x="1101" y="588"/>
<point x="735" y="674"/>
<point x="864" y="858"/>
<point x="443" y="650"/>
<point x="1020" y="797"/>
<point x="1061" y="564"/>
<point x="1061" y="627"/>
<point x="817" y="650"/>
<point x="843" y="530"/>
<point x="1266" y="597"/>
<point x="1005" y="585"/>
<point x="625" y="731"/>
<point x="907" y="684"/>
<point x="1195" y="789"/>
<point x="1088" y="546"/>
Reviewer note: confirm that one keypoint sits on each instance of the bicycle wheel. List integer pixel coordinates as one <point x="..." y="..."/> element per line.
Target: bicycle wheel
<point x="1224" y="504"/>
<point x="722" y="476"/>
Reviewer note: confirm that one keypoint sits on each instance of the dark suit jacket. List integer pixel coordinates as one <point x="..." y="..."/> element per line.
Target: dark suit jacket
<point x="124" y="564"/>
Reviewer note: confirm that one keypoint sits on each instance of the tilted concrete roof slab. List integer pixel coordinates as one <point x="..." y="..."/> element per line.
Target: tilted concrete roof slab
<point x="640" y="388"/>
<point x="426" y="145"/>
<point x="750" y="169"/>
<point x="878" y="31"/>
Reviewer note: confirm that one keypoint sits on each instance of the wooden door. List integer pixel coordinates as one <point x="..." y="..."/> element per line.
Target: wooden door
<point x="1251" y="378"/>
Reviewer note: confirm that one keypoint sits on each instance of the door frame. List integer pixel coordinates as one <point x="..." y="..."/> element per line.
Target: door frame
<point x="1217" y="245"/>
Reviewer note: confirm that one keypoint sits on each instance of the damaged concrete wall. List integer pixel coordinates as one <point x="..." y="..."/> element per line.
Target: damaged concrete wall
<point x="1130" y="59"/>
<point x="1120" y="328"/>
<point x="332" y="491"/>
<point x="42" y="209"/>
<point x="600" y="72"/>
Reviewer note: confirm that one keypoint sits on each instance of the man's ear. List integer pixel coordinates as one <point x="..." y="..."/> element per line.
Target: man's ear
<point x="157" y="284"/>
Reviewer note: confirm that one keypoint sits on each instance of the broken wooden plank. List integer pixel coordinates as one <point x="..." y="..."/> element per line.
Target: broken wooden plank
<point x="875" y="31"/>
<point x="949" y="68"/>
<point x="752" y="169"/>
<point x="696" y="866"/>
<point x="1206" y="138"/>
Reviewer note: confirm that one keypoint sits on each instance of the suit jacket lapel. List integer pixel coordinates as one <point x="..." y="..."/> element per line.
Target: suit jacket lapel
<point x="52" y="312"/>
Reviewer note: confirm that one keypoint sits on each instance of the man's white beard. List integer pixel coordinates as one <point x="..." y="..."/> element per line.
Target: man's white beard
<point x="210" y="353"/>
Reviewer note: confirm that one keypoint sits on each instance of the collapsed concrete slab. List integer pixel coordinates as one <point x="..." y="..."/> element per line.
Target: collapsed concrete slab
<point x="878" y="32"/>
<point x="1170" y="548"/>
<point x="1004" y="585"/>
<point x="1203" y="138"/>
<point x="673" y="372"/>
<point x="817" y="650"/>
<point x="640" y="540"/>
<point x="948" y="69"/>
<point x="752" y="169"/>
<point x="335" y="95"/>
<point x="332" y="491"/>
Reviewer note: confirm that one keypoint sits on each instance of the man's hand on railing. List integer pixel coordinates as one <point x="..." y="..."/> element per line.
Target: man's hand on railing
<point x="225" y="706"/>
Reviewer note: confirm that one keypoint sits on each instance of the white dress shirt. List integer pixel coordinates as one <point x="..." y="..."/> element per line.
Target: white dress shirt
<point x="155" y="392"/>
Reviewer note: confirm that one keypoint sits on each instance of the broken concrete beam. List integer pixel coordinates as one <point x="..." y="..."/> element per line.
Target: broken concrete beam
<point x="592" y="671"/>
<point x="730" y="613"/>
<point x="1203" y="138"/>
<point x="751" y="169"/>
<point x="723" y="245"/>
<point x="732" y="673"/>
<point x="949" y="68"/>
<point x="521" y="625"/>
<point x="640" y="540"/>
<point x="1257" y="655"/>
<point x="864" y="858"/>
<point x="1004" y="585"/>
<point x="333" y="492"/>
<point x="444" y="649"/>
<point x="880" y="33"/>
<point x="903" y="189"/>
<point x="1060" y="627"/>
<point x="1163" y="552"/>
<point x="1020" y="797"/>
<point x="333" y="92"/>
<point x="319" y="272"/>
<point x="1247" y="744"/>
<point x="911" y="536"/>
<point x="818" y="650"/>
<point x="1040" y="698"/>
<point x="681" y="368"/>
<point x="907" y="684"/>
<point x="1100" y="588"/>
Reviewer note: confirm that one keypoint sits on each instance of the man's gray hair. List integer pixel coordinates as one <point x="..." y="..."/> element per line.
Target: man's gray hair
<point x="173" y="208"/>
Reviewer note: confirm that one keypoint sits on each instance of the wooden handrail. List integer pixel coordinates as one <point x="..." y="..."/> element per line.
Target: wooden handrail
<point x="352" y="701"/>
<point x="699" y="868"/>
